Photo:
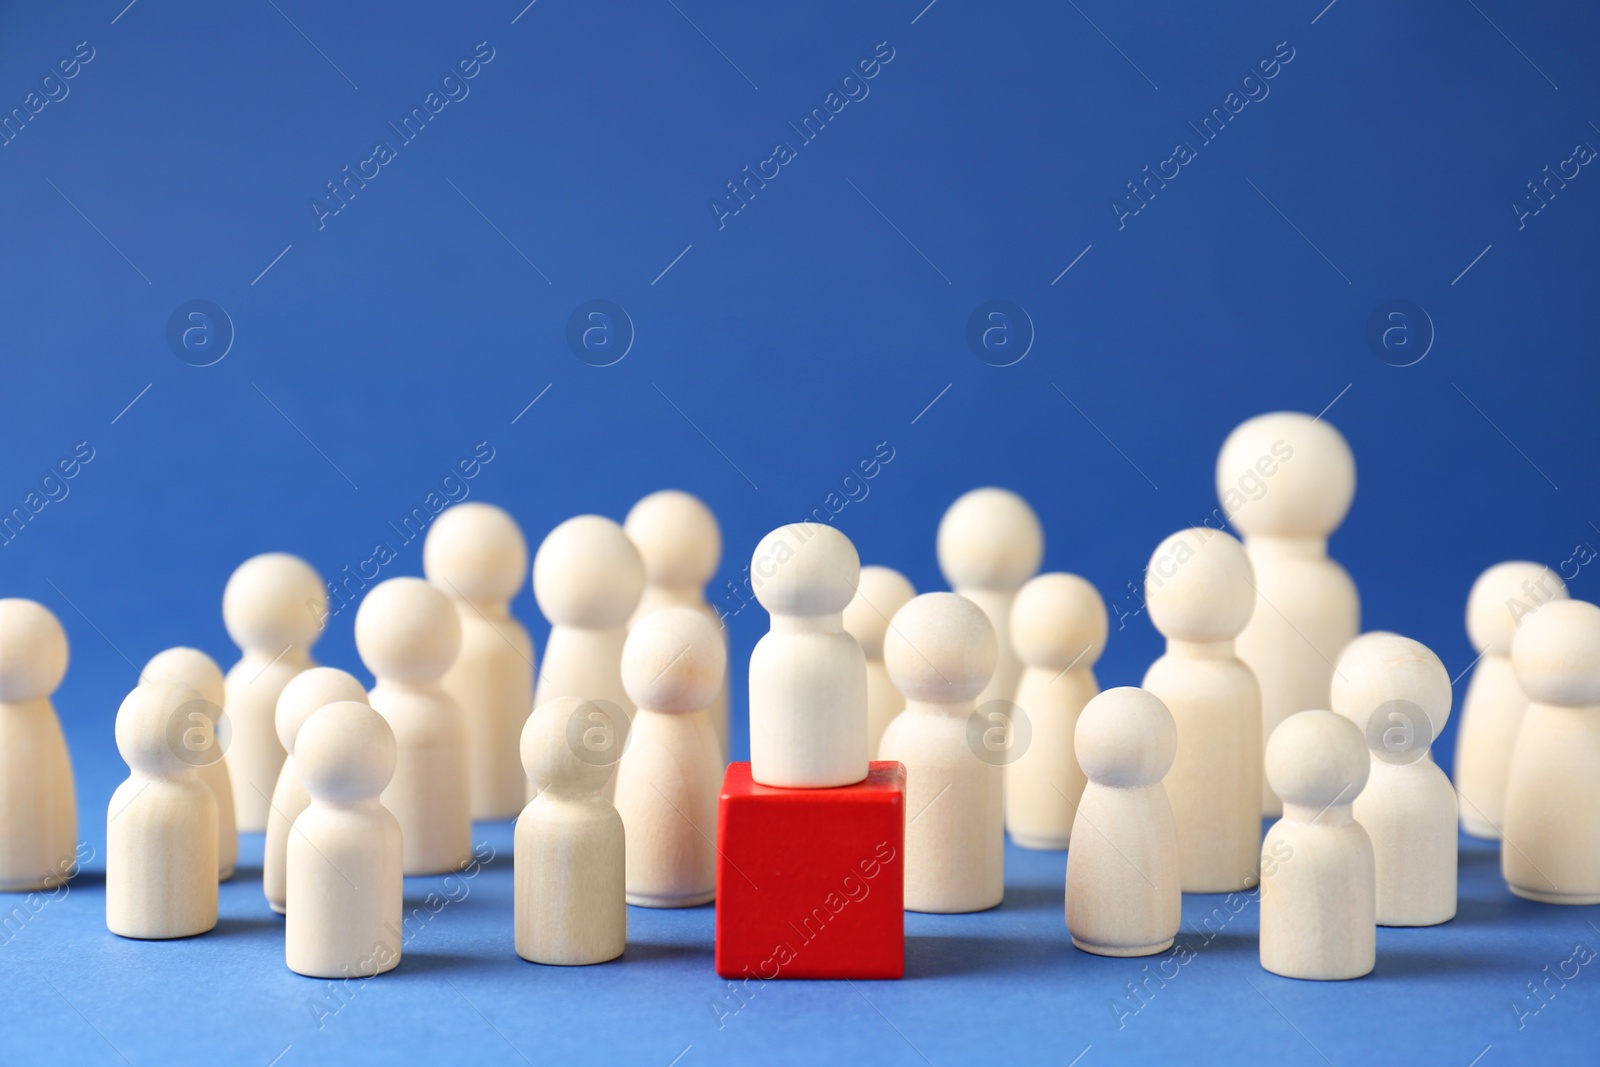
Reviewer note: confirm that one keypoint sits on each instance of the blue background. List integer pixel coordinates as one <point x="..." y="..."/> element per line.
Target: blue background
<point x="770" y="356"/>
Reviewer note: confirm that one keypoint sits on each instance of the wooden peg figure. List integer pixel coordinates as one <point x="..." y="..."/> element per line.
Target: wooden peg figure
<point x="1286" y="481"/>
<point x="161" y="826"/>
<point x="38" y="806"/>
<point x="1492" y="710"/>
<point x="880" y="593"/>
<point x="344" y="882"/>
<point x="571" y="903"/>
<point x="940" y="651"/>
<point x="274" y="607"/>
<point x="1058" y="628"/>
<point x="671" y="774"/>
<point x="680" y="544"/>
<point x="1318" y="888"/>
<point x="1552" y="826"/>
<point x="408" y="634"/>
<point x="304" y="695"/>
<point x="200" y="672"/>
<point x="1123" y="895"/>
<point x="1398" y="693"/>
<point x="990" y="543"/>
<point x="476" y="555"/>
<point x="1201" y="592"/>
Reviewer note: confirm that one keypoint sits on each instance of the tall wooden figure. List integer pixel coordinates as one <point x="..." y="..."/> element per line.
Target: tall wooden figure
<point x="571" y="905"/>
<point x="476" y="555"/>
<point x="880" y="593"/>
<point x="990" y="543"/>
<point x="344" y="886"/>
<point x="1286" y="481"/>
<point x="200" y="672"/>
<point x="38" y="807"/>
<point x="940" y="651"/>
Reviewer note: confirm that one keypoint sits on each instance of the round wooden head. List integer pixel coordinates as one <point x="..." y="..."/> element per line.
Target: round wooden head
<point x="1286" y="475"/>
<point x="190" y="666"/>
<point x="1316" y="759"/>
<point x="940" y="649"/>
<point x="306" y="693"/>
<point x="1126" y="737"/>
<point x="1058" y="621"/>
<point x="990" y="539"/>
<point x="407" y="631"/>
<point x="570" y="745"/>
<point x="33" y="650"/>
<point x="588" y="574"/>
<point x="346" y="753"/>
<point x="1200" y="586"/>
<point x="476" y="552"/>
<point x="880" y="592"/>
<point x="1556" y="654"/>
<point x="1396" y="690"/>
<point x="677" y="537"/>
<point x="1502" y="597"/>
<point x="273" y="600"/>
<point x="165" y="728"/>
<point x="805" y="568"/>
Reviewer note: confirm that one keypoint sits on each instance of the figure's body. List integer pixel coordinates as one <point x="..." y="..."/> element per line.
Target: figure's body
<point x="880" y="593"/>
<point x="200" y="672"/>
<point x="38" y="805"/>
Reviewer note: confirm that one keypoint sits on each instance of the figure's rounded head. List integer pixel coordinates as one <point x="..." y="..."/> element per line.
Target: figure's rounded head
<point x="1200" y="586"/>
<point x="1058" y="621"/>
<point x="308" y="691"/>
<point x="990" y="539"/>
<point x="33" y="650"/>
<point x="1286" y="475"/>
<point x="273" y="600"/>
<point x="346" y="752"/>
<point x="1502" y="597"/>
<point x="190" y="666"/>
<point x="588" y="574"/>
<point x="156" y="718"/>
<point x="1316" y="759"/>
<point x="1556" y="654"/>
<point x="674" y="661"/>
<point x="407" y="631"/>
<point x="1388" y="685"/>
<point x="476" y="552"/>
<point x="880" y="592"/>
<point x="941" y="649"/>
<point x="677" y="537"/>
<point x="805" y="568"/>
<point x="571" y="745"/>
<point x="1126" y="737"/>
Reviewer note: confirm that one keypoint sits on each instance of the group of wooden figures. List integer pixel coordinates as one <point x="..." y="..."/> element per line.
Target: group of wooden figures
<point x="1266" y="702"/>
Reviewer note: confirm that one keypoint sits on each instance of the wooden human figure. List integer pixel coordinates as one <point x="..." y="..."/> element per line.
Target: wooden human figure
<point x="275" y="608"/>
<point x="408" y="634"/>
<point x="1551" y="847"/>
<point x="38" y="806"/>
<point x="990" y="543"/>
<point x="344" y="884"/>
<point x="476" y="555"/>
<point x="880" y="593"/>
<point x="1286" y="481"/>
<point x="671" y="774"/>
<point x="1398" y="693"/>
<point x="1058" y="628"/>
<point x="200" y="672"/>
<point x="161" y="826"/>
<point x="1318" y="889"/>
<point x="1492" y="710"/>
<point x="307" y="692"/>
<point x="587" y="578"/>
<point x="571" y="890"/>
<point x="940" y="651"/>
<point x="680" y="544"/>
<point x="1123" y="894"/>
<point x="1201" y="592"/>
<point x="808" y="678"/>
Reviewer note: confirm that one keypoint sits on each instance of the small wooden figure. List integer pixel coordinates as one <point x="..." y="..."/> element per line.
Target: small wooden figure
<point x="808" y="678"/>
<point x="1398" y="693"/>
<point x="571" y="891"/>
<point x="1201" y="592"/>
<point x="990" y="543"/>
<point x="275" y="607"/>
<point x="681" y="545"/>
<point x="305" y="694"/>
<point x="344" y="884"/>
<point x="880" y="593"/>
<point x="476" y="555"/>
<point x="1318" y="898"/>
<point x="200" y="672"/>
<point x="1492" y="710"/>
<point x="667" y="784"/>
<point x="38" y="806"/>
<point x="940" y="651"/>
<point x="161" y="826"/>
<point x="408" y="634"/>
<point x="1058" y="628"/>
<point x="1123" y="895"/>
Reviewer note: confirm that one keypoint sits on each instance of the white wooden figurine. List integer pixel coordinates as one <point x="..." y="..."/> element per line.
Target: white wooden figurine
<point x="38" y="806"/>
<point x="200" y="672"/>
<point x="880" y="593"/>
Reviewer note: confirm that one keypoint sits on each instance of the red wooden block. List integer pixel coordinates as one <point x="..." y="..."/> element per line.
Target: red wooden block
<point x="811" y="882"/>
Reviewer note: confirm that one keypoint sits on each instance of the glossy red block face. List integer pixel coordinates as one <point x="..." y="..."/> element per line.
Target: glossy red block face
<point x="811" y="882"/>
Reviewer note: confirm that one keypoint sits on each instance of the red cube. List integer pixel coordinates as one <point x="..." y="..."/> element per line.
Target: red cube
<point x="811" y="882"/>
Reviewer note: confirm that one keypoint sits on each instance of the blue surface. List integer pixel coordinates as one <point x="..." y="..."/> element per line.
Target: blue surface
<point x="373" y="348"/>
